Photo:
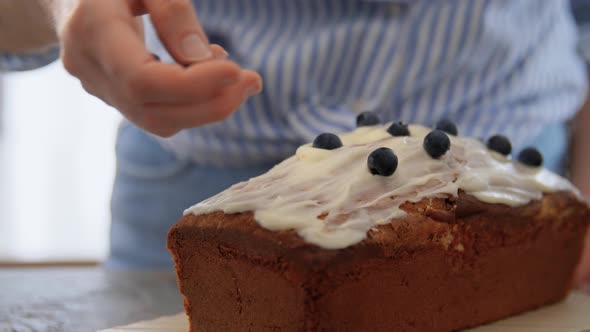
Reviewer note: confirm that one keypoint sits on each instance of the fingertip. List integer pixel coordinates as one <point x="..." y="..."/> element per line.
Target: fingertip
<point x="179" y="29"/>
<point x="253" y="82"/>
<point x="230" y="71"/>
<point x="194" y="49"/>
<point x="218" y="51"/>
<point x="251" y="75"/>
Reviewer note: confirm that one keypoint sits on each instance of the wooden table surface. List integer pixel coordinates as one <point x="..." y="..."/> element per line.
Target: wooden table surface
<point x="83" y="299"/>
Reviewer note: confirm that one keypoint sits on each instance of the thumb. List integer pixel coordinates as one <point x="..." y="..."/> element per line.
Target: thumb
<point x="179" y="29"/>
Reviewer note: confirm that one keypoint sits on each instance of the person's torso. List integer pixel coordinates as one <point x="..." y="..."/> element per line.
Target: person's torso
<point x="496" y="66"/>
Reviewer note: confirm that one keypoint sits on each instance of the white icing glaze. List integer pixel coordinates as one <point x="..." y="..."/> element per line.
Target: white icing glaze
<point x="330" y="198"/>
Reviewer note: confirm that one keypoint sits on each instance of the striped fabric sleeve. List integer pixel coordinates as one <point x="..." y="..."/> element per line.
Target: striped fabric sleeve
<point x="581" y="11"/>
<point x="28" y="61"/>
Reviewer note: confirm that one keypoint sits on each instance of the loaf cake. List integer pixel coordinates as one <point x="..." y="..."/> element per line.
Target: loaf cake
<point x="386" y="228"/>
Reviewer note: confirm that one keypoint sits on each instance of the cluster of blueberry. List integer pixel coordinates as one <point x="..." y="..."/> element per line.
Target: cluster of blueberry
<point x="383" y="161"/>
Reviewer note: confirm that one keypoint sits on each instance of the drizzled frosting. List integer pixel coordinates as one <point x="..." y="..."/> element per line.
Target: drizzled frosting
<point x="330" y="198"/>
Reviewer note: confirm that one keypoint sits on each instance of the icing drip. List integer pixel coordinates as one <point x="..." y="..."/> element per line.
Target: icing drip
<point x="330" y="198"/>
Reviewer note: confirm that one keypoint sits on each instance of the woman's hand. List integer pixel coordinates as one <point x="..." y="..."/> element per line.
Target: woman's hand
<point x="103" y="46"/>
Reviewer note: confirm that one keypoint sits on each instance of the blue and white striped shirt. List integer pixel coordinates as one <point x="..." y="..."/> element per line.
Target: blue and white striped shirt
<point x="496" y="66"/>
<point x="493" y="66"/>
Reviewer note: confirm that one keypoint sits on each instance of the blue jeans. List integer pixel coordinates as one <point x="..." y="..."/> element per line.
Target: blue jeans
<point x="152" y="188"/>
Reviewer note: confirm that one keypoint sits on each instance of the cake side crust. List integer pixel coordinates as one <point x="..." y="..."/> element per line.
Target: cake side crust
<point x="443" y="252"/>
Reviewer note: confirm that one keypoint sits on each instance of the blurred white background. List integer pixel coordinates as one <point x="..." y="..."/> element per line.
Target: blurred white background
<point x="56" y="168"/>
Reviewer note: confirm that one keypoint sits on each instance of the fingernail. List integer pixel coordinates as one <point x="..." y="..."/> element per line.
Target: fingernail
<point x="223" y="55"/>
<point x="195" y="49"/>
<point x="258" y="86"/>
<point x="253" y="90"/>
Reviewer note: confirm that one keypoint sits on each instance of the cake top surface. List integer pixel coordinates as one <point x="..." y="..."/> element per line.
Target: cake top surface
<point x="332" y="192"/>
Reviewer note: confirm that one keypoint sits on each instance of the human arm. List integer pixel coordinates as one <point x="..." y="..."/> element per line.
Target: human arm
<point x="25" y="27"/>
<point x="27" y="36"/>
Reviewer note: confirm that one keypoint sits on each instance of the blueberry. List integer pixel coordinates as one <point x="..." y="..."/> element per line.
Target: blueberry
<point x="327" y="141"/>
<point x="156" y="57"/>
<point x="447" y="126"/>
<point x="398" y="129"/>
<point x="436" y="143"/>
<point x="531" y="157"/>
<point x="367" y="119"/>
<point x="382" y="162"/>
<point x="500" y="144"/>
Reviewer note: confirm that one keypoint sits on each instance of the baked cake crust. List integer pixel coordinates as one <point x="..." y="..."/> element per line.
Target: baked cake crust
<point x="450" y="263"/>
